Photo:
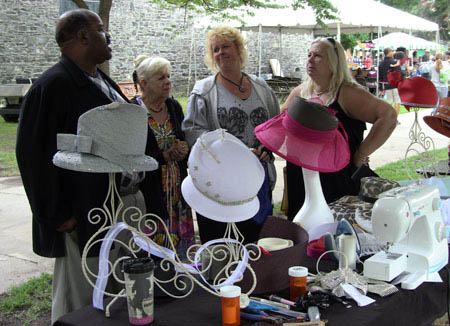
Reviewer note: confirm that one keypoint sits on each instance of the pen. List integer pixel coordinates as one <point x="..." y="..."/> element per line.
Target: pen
<point x="278" y="304"/>
<point x="260" y="305"/>
<point x="281" y="300"/>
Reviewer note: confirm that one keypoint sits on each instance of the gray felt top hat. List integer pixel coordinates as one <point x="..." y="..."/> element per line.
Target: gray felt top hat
<point x="110" y="138"/>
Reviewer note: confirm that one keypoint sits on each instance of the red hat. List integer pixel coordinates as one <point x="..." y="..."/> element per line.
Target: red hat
<point x="417" y="92"/>
<point x="439" y="119"/>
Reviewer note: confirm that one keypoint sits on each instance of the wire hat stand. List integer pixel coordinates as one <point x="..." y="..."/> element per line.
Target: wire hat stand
<point x="423" y="147"/>
<point x="131" y="232"/>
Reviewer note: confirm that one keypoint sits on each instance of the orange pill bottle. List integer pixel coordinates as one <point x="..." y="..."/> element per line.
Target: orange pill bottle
<point x="297" y="281"/>
<point x="231" y="310"/>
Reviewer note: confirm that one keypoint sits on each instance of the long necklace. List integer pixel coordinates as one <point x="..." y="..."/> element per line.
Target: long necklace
<point x="241" y="88"/>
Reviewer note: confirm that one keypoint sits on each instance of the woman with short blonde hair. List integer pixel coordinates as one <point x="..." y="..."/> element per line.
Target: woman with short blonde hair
<point x="229" y="34"/>
<point x="236" y="101"/>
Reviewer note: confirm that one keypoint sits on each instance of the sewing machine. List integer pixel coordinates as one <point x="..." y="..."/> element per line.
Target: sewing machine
<point x="409" y="220"/>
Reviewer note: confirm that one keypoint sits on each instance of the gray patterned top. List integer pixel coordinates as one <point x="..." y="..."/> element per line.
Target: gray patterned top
<point x="240" y="117"/>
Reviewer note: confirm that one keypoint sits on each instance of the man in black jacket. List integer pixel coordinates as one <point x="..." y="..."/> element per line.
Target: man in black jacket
<point x="60" y="199"/>
<point x="389" y="92"/>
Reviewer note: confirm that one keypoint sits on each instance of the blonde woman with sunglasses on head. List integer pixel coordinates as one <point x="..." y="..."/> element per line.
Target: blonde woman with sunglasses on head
<point x="329" y="83"/>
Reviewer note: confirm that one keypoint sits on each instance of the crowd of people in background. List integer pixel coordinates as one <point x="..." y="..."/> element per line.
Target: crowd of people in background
<point x="424" y="66"/>
<point x="434" y="67"/>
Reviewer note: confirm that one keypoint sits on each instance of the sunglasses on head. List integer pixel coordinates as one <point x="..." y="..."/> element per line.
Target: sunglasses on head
<point x="333" y="42"/>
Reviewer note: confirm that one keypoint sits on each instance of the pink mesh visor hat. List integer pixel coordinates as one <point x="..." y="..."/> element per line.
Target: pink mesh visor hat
<point x="306" y="135"/>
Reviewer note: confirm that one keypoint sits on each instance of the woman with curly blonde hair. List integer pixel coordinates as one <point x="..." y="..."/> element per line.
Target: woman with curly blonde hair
<point x="329" y="83"/>
<point x="236" y="101"/>
<point x="225" y="33"/>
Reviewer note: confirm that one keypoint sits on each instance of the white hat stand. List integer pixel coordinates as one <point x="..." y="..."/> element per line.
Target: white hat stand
<point x="315" y="210"/>
<point x="139" y="224"/>
<point x="423" y="147"/>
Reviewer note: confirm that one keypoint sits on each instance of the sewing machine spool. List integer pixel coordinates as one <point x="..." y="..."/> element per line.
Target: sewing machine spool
<point x="347" y="245"/>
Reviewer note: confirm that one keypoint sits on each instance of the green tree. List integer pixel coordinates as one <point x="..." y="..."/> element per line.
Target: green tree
<point x="438" y="11"/>
<point x="411" y="6"/>
<point x="349" y="41"/>
<point x="434" y="10"/>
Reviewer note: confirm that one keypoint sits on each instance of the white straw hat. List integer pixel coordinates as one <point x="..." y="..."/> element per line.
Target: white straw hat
<point x="224" y="178"/>
<point x="110" y="138"/>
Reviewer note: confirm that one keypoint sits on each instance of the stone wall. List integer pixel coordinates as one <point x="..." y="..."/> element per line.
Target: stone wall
<point x="290" y="50"/>
<point x="27" y="44"/>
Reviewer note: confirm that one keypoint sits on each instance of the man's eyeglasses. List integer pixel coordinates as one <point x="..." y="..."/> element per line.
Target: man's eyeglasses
<point x="333" y="42"/>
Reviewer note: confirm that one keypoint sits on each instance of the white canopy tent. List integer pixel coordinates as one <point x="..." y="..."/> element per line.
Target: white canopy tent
<point x="395" y="40"/>
<point x="367" y="16"/>
<point x="362" y="16"/>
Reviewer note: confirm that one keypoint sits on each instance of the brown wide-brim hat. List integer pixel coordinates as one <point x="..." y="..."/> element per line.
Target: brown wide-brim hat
<point x="439" y="120"/>
<point x="272" y="269"/>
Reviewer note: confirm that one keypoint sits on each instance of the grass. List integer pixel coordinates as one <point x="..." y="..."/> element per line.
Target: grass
<point x="396" y="171"/>
<point x="277" y="209"/>
<point x="402" y="110"/>
<point x="183" y="102"/>
<point x="29" y="301"/>
<point x="8" y="163"/>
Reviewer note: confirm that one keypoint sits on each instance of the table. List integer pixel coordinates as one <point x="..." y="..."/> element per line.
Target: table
<point x="419" y="307"/>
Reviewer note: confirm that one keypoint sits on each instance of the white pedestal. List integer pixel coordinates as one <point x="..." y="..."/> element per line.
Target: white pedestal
<point x="315" y="210"/>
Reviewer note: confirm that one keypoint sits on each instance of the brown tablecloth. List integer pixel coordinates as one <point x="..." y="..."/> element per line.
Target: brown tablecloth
<point x="419" y="307"/>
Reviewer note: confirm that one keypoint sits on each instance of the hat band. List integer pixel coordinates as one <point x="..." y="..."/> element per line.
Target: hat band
<point x="312" y="135"/>
<point x="418" y="105"/>
<point x="443" y="115"/>
<point x="225" y="203"/>
<point x="74" y="143"/>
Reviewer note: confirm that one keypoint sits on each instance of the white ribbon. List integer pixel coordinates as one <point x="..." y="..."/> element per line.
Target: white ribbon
<point x="103" y="267"/>
<point x="236" y="274"/>
<point x="318" y="231"/>
<point x="161" y="252"/>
